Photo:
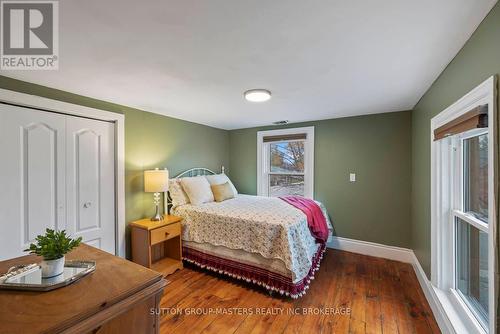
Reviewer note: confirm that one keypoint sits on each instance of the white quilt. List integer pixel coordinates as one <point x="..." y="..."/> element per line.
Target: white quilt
<point x="264" y="225"/>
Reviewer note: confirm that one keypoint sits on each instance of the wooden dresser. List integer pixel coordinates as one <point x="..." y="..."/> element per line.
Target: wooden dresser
<point x="118" y="297"/>
<point x="157" y="244"/>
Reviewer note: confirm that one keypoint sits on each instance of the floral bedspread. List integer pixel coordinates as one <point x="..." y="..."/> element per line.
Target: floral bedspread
<point x="263" y="225"/>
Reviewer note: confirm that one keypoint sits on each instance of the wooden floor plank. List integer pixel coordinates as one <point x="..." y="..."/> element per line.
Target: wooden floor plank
<point x="256" y="323"/>
<point x="389" y="316"/>
<point x="373" y="315"/>
<point x="357" y="327"/>
<point x="341" y="321"/>
<point x="229" y="323"/>
<point x="180" y="311"/>
<point x="382" y="296"/>
<point x="181" y="285"/>
<point x="358" y="304"/>
<point x="279" y="322"/>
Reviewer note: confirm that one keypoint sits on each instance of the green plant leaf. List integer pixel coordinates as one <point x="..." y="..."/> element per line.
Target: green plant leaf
<point x="53" y="244"/>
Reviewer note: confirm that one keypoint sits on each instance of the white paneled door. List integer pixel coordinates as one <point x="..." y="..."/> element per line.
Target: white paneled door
<point x="90" y="179"/>
<point x="32" y="194"/>
<point x="56" y="171"/>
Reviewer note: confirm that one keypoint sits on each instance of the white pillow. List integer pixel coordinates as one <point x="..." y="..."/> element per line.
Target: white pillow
<point x="221" y="179"/>
<point x="178" y="195"/>
<point x="198" y="189"/>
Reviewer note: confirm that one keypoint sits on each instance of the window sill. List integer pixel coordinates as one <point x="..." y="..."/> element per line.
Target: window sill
<point x="460" y="317"/>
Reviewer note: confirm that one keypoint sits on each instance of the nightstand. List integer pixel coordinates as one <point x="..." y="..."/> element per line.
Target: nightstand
<point x="157" y="244"/>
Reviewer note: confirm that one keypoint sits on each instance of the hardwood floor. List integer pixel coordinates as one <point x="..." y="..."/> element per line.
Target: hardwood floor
<point x="382" y="296"/>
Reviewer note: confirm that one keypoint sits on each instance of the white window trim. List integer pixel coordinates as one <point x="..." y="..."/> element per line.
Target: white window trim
<point x="38" y="102"/>
<point x="308" y="159"/>
<point x="442" y="158"/>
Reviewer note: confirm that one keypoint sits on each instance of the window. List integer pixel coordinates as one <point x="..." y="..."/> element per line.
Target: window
<point x="472" y="268"/>
<point x="285" y="162"/>
<point x="286" y="168"/>
<point x="470" y="216"/>
<point x="463" y="211"/>
<point x="475" y="164"/>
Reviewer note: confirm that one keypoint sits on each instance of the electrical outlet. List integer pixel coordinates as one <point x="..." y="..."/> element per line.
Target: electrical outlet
<point x="352" y="177"/>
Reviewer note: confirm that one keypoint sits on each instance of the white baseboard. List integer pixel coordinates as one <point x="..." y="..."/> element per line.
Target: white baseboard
<point x="371" y="248"/>
<point x="430" y="294"/>
<point x="403" y="255"/>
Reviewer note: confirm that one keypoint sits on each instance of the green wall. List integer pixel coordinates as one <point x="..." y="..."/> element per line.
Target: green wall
<point x="478" y="60"/>
<point x="151" y="140"/>
<point x="376" y="147"/>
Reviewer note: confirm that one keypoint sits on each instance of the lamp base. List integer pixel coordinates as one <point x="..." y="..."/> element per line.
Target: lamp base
<point x="157" y="217"/>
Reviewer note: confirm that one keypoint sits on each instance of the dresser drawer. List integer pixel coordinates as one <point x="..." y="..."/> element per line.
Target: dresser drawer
<point x="164" y="233"/>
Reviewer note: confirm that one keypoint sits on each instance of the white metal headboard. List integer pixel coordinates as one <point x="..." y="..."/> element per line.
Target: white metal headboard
<point x="196" y="171"/>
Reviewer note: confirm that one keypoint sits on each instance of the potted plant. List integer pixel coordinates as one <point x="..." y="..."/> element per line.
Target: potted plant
<point x="52" y="246"/>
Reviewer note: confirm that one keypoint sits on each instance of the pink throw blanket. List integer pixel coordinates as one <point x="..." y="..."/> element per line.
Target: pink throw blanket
<point x="315" y="218"/>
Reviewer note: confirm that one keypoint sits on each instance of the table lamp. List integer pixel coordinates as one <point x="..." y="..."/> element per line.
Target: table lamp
<point x="156" y="181"/>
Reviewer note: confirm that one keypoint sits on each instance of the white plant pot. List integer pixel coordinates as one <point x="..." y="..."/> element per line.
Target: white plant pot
<point x="51" y="268"/>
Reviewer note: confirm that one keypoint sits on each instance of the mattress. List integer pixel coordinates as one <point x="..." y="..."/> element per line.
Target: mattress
<point x="246" y="258"/>
<point x="259" y="239"/>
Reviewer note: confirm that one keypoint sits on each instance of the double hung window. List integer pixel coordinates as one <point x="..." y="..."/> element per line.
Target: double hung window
<point x="463" y="210"/>
<point x="470" y="216"/>
<point x="285" y="162"/>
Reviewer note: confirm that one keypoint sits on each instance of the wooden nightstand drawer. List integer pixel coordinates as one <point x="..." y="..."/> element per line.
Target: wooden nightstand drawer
<point x="164" y="233"/>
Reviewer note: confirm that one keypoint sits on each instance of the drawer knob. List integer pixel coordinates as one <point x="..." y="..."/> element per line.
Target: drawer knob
<point x="166" y="233"/>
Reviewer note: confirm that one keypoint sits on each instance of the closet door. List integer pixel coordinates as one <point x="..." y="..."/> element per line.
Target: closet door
<point x="90" y="181"/>
<point x="32" y="194"/>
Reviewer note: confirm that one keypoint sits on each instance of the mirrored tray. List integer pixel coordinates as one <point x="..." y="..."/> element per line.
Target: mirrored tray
<point x="32" y="280"/>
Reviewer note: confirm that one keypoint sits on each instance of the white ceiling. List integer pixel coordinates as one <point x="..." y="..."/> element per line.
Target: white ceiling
<point x="321" y="59"/>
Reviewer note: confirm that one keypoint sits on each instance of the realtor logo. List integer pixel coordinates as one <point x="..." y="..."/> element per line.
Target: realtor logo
<point x="30" y="36"/>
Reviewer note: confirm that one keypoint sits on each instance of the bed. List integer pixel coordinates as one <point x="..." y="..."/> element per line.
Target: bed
<point x="261" y="240"/>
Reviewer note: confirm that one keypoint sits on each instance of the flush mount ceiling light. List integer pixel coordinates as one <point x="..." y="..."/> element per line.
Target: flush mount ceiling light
<point x="257" y="95"/>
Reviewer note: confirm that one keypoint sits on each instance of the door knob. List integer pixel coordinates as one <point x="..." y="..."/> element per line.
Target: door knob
<point x="87" y="205"/>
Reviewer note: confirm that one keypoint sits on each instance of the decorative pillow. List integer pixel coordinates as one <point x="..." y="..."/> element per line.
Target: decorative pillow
<point x="222" y="191"/>
<point x="198" y="189"/>
<point x="221" y="179"/>
<point x="178" y="195"/>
